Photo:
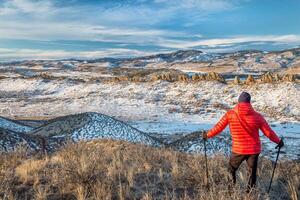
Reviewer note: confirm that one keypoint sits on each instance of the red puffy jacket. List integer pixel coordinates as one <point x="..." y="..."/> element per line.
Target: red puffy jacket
<point x="244" y="123"/>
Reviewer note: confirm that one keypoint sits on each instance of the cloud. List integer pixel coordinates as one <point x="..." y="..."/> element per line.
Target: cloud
<point x="38" y="54"/>
<point x="208" y="5"/>
<point x="152" y="12"/>
<point x="179" y="44"/>
<point x="26" y="6"/>
<point x="75" y="31"/>
<point x="47" y="23"/>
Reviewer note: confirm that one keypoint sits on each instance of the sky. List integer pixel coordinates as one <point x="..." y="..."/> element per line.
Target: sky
<point x="87" y="29"/>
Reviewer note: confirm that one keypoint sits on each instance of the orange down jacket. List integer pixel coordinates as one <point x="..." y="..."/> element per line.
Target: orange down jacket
<point x="244" y="123"/>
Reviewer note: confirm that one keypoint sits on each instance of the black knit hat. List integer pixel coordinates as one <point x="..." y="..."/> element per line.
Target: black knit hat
<point x="244" y="97"/>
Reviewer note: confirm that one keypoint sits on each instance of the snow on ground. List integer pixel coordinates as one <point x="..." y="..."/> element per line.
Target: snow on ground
<point x="160" y="107"/>
<point x="191" y="102"/>
<point x="290" y="132"/>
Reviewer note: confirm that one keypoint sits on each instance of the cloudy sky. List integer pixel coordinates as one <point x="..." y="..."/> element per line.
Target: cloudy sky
<point x="47" y="29"/>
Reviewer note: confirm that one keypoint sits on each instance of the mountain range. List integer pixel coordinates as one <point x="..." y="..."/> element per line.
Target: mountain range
<point x="287" y="61"/>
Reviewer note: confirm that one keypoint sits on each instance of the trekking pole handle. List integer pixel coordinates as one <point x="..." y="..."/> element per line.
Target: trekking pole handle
<point x="281" y="144"/>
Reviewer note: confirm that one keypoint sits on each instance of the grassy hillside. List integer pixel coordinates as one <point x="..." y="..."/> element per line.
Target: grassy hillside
<point x="107" y="169"/>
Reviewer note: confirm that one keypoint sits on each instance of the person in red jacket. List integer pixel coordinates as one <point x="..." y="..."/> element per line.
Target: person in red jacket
<point x="244" y="123"/>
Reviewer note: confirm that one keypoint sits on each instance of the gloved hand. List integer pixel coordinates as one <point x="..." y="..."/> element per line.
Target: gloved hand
<point x="204" y="136"/>
<point x="280" y="144"/>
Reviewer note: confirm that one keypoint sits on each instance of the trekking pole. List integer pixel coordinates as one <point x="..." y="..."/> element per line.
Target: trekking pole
<point x="278" y="152"/>
<point x="206" y="168"/>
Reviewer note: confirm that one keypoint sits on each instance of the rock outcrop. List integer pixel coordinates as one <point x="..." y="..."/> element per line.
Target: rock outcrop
<point x="183" y="78"/>
<point x="250" y="80"/>
<point x="237" y="80"/>
<point x="213" y="76"/>
<point x="166" y="77"/>
<point x="155" y="77"/>
<point x="289" y="77"/>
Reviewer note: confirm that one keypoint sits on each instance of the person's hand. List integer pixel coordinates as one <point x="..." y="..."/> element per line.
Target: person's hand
<point x="280" y="144"/>
<point x="204" y="135"/>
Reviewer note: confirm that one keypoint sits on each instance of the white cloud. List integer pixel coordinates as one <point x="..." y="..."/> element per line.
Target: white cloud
<point x="207" y="5"/>
<point x="38" y="54"/>
<point x="26" y="6"/>
<point x="179" y="44"/>
<point x="75" y="31"/>
<point x="165" y="10"/>
<point x="42" y="20"/>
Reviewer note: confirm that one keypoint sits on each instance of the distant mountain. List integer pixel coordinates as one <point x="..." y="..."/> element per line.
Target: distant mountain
<point x="187" y="60"/>
<point x="177" y="56"/>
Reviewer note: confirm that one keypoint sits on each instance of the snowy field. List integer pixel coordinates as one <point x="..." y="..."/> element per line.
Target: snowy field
<point x="155" y="107"/>
<point x="289" y="131"/>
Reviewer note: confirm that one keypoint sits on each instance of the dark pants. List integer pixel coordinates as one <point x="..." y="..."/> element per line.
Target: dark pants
<point x="237" y="159"/>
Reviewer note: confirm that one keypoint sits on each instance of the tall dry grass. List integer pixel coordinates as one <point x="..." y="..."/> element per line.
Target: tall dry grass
<point x="107" y="169"/>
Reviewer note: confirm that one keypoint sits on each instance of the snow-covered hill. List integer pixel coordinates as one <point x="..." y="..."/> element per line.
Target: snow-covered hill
<point x="84" y="126"/>
<point x="88" y="126"/>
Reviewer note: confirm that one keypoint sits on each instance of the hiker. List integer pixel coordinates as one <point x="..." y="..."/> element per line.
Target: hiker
<point x="244" y="123"/>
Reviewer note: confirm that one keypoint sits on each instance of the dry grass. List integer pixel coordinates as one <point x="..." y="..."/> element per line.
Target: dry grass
<point x="108" y="169"/>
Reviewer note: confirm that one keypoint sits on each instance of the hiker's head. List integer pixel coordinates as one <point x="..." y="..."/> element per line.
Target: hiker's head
<point x="244" y="97"/>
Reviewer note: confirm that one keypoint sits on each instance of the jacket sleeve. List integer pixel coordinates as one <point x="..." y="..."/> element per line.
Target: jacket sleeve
<point x="267" y="131"/>
<point x="219" y="127"/>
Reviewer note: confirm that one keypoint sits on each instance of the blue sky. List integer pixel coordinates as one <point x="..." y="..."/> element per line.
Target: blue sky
<point x="50" y="29"/>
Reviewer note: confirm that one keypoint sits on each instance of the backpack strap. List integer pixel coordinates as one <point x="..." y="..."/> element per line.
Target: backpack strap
<point x="243" y="123"/>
